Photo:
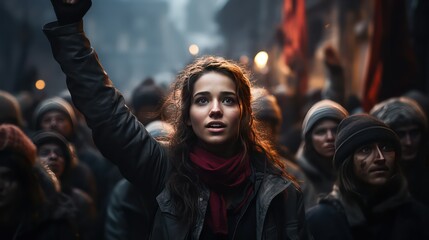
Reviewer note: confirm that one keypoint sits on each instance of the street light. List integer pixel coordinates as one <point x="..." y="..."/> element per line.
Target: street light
<point x="194" y="49"/>
<point x="261" y="60"/>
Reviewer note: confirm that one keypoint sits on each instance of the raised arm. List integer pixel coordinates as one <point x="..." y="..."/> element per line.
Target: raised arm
<point x="117" y="133"/>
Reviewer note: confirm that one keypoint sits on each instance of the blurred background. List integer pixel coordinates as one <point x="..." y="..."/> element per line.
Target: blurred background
<point x="381" y="45"/>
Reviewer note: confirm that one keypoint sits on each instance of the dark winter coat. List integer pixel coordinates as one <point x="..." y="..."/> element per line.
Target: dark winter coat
<point x="126" y="214"/>
<point x="319" y="180"/>
<point x="122" y="139"/>
<point x="396" y="216"/>
<point x="54" y="218"/>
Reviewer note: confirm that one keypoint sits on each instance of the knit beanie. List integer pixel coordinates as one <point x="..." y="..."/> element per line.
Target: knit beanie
<point x="53" y="104"/>
<point x="44" y="137"/>
<point x="10" y="111"/>
<point x="360" y="129"/>
<point x="324" y="109"/>
<point x="14" y="140"/>
<point x="396" y="112"/>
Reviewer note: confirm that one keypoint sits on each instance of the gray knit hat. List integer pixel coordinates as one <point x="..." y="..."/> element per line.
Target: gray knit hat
<point x="53" y="104"/>
<point x="396" y="112"/>
<point x="324" y="109"/>
<point x="360" y="129"/>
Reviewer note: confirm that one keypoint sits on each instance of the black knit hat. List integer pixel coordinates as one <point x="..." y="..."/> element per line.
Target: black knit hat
<point x="360" y="129"/>
<point x="43" y="137"/>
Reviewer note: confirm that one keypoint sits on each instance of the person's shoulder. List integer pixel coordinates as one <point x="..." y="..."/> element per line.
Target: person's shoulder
<point x="415" y="209"/>
<point x="81" y="198"/>
<point x="326" y="222"/>
<point x="321" y="211"/>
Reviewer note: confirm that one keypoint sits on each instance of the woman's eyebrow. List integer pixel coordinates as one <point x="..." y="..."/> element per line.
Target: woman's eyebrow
<point x="204" y="93"/>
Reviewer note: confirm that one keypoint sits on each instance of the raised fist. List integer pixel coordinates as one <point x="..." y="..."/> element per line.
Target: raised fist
<point x="70" y="11"/>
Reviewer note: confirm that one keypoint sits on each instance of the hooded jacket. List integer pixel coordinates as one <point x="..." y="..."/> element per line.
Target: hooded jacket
<point x="143" y="161"/>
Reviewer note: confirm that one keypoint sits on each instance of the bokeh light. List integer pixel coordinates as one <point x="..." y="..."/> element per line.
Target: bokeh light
<point x="194" y="49"/>
<point x="40" y="84"/>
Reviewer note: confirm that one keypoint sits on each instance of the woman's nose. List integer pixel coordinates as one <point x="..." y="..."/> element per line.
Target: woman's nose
<point x="330" y="134"/>
<point x="53" y="123"/>
<point x="216" y="110"/>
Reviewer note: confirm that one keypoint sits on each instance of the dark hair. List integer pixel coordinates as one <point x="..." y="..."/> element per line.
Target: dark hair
<point x="346" y="178"/>
<point x="33" y="196"/>
<point x="150" y="95"/>
<point x="184" y="183"/>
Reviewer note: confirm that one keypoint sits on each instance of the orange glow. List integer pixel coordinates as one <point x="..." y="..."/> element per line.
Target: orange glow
<point x="40" y="84"/>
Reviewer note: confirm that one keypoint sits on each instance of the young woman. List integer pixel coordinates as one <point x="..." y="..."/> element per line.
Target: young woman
<point x="370" y="199"/>
<point x="319" y="130"/>
<point x="216" y="179"/>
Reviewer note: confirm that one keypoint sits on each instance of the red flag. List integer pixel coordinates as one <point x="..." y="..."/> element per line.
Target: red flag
<point x="391" y="63"/>
<point x="294" y="29"/>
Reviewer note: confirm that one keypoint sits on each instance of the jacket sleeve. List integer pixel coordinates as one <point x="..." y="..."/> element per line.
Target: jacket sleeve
<point x="117" y="133"/>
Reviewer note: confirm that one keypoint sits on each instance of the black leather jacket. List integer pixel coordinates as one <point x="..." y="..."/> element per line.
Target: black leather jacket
<point x="122" y="139"/>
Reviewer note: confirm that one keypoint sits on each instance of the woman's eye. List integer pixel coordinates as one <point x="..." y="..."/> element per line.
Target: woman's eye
<point x="319" y="132"/>
<point x="201" y="100"/>
<point x="59" y="153"/>
<point x="229" y="100"/>
<point x="44" y="153"/>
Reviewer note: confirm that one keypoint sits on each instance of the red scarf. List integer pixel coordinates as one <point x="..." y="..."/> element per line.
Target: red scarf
<point x="220" y="175"/>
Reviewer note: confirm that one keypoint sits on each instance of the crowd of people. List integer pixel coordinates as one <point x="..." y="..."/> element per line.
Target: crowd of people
<point x="206" y="159"/>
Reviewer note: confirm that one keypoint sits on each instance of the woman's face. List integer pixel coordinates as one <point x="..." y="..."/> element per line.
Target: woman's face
<point x="323" y="137"/>
<point x="374" y="163"/>
<point x="215" y="113"/>
<point x="53" y="156"/>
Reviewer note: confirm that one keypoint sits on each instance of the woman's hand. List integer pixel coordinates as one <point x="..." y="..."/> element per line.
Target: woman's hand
<point x="70" y="11"/>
